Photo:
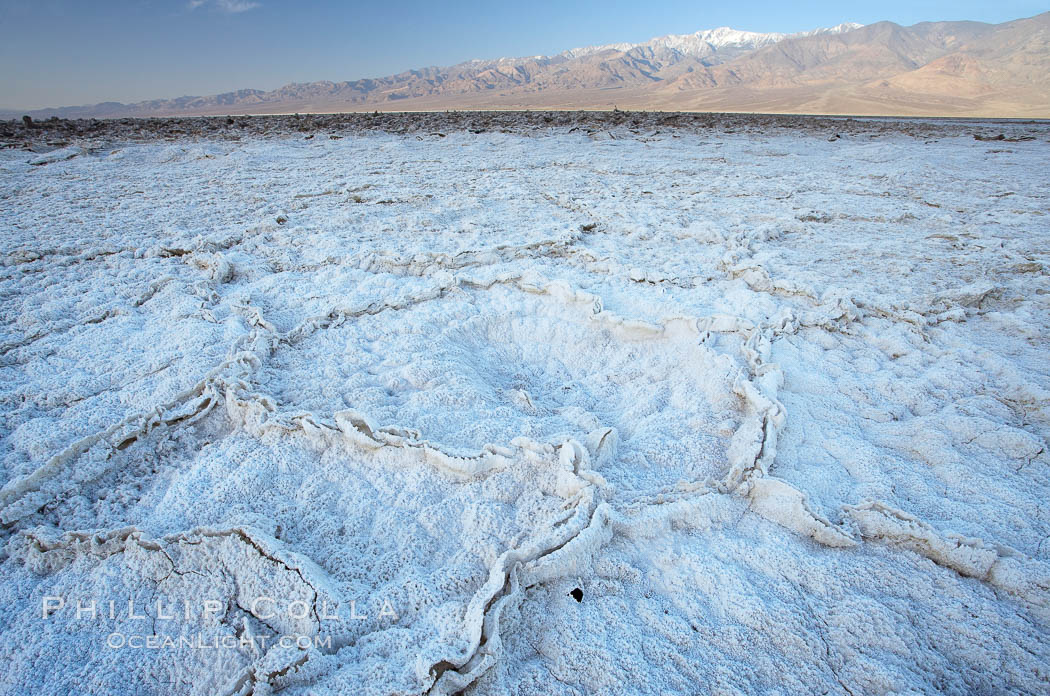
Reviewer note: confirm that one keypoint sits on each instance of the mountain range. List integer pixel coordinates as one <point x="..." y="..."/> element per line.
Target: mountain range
<point x="962" y="68"/>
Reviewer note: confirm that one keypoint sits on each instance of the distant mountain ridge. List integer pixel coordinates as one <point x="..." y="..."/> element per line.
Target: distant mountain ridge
<point x="931" y="68"/>
<point x="709" y="42"/>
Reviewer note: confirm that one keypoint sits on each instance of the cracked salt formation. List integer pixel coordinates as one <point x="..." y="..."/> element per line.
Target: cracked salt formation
<point x="616" y="416"/>
<point x="486" y="366"/>
<point x="440" y="538"/>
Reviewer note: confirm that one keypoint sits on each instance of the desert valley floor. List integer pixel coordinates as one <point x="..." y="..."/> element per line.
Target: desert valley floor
<point x="576" y="405"/>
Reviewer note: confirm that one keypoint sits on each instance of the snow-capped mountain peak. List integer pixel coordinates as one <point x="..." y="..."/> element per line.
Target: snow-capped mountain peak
<point x="705" y="42"/>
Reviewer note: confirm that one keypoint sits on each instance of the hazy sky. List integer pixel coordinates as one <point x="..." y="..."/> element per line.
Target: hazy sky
<point x="70" y="52"/>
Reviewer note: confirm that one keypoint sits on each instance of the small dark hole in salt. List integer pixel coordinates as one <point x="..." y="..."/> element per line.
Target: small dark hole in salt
<point x="577" y="594"/>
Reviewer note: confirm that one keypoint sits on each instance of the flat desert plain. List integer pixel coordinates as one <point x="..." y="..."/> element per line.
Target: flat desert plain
<point x="536" y="403"/>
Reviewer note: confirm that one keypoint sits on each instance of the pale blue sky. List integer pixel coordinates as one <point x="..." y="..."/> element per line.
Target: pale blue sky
<point x="66" y="52"/>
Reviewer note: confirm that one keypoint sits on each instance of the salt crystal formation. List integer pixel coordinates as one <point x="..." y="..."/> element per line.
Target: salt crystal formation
<point x="546" y="411"/>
